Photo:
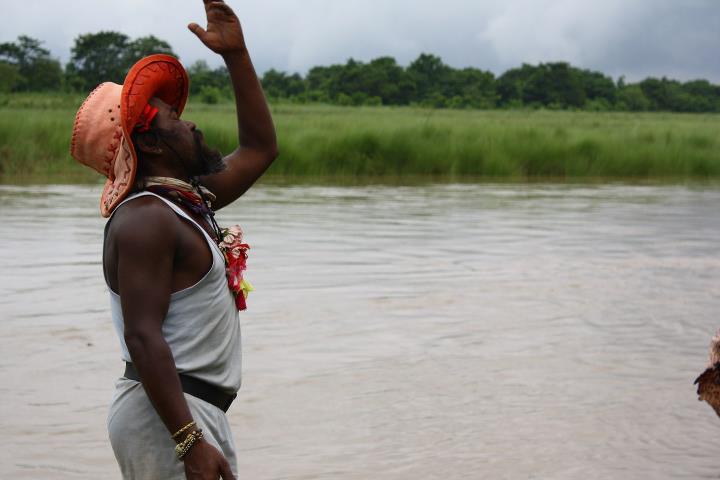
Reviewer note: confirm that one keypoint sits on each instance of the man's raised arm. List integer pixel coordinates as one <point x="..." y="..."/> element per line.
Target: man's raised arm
<point x="257" y="142"/>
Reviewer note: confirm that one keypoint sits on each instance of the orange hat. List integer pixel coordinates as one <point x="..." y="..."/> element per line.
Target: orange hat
<point x="103" y="124"/>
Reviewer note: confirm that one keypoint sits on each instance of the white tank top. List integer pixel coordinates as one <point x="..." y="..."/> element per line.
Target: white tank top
<point x="202" y="326"/>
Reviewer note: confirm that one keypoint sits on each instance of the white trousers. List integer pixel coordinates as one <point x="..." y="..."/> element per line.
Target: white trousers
<point x="142" y="444"/>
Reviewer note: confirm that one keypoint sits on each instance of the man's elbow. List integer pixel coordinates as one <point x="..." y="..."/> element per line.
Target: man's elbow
<point x="140" y="343"/>
<point x="272" y="153"/>
<point x="267" y="155"/>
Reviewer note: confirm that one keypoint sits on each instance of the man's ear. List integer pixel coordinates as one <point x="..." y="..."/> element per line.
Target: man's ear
<point x="148" y="143"/>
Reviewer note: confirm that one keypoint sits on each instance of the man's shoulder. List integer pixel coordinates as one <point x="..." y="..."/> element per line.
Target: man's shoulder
<point x="144" y="219"/>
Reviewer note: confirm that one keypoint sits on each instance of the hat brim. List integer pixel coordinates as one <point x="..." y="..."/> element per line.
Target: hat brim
<point x="161" y="76"/>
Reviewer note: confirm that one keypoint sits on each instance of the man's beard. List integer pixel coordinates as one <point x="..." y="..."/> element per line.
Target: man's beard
<point x="210" y="159"/>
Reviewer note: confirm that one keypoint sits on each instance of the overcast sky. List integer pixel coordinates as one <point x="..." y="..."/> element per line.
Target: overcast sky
<point x="636" y="38"/>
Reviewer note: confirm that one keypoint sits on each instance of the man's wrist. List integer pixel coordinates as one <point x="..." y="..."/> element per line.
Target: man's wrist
<point x="237" y="55"/>
<point x="192" y="454"/>
<point x="179" y="435"/>
<point x="184" y="447"/>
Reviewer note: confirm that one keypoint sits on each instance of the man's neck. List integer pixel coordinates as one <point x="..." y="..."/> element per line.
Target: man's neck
<point x="167" y="174"/>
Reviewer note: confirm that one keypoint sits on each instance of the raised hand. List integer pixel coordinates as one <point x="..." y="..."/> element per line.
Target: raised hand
<point x="223" y="34"/>
<point x="257" y="143"/>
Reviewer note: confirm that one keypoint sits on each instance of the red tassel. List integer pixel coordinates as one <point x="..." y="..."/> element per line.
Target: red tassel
<point x="146" y="118"/>
<point x="240" y="301"/>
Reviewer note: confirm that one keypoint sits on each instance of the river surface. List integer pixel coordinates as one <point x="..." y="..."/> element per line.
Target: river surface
<point x="425" y="332"/>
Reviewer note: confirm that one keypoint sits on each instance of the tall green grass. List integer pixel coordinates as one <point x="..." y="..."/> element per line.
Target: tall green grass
<point x="382" y="141"/>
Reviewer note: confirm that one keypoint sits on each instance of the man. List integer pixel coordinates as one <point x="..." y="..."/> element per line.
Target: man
<point x="174" y="295"/>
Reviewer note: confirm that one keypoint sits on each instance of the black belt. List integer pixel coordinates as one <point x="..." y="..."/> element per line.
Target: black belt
<point x="195" y="387"/>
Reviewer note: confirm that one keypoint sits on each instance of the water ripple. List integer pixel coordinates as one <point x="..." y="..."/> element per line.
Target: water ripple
<point x="481" y="331"/>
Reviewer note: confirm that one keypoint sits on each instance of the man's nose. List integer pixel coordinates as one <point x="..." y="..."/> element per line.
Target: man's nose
<point x="190" y="125"/>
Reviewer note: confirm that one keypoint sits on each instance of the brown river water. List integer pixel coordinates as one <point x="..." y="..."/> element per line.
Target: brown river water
<point x="425" y="332"/>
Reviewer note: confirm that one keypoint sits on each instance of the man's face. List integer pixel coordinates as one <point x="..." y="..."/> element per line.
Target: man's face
<point x="185" y="141"/>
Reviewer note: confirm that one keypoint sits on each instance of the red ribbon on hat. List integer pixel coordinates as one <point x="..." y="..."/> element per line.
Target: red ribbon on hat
<point x="146" y="118"/>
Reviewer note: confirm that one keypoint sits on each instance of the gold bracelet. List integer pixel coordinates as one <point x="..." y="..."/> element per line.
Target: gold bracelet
<point x="182" y="448"/>
<point x="183" y="430"/>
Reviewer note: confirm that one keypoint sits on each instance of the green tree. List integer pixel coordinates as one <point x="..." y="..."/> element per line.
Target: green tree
<point x="431" y="76"/>
<point x="339" y="82"/>
<point x="35" y="69"/>
<point x="597" y="86"/>
<point x="471" y="88"/>
<point x="664" y="94"/>
<point x="511" y="85"/>
<point x="701" y="88"/>
<point x="555" y="84"/>
<point x="24" y="52"/>
<point x="107" y="56"/>
<point x="143" y="46"/>
<point x="281" y="85"/>
<point x="99" y="57"/>
<point x="320" y="78"/>
<point x="631" y="97"/>
<point x="46" y="74"/>
<point x="383" y="78"/>
<point x="347" y="80"/>
<point x="10" y="77"/>
<point x="702" y="95"/>
<point x="202" y="78"/>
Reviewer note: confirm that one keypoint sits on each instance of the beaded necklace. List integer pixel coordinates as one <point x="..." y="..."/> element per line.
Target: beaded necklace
<point x="198" y="200"/>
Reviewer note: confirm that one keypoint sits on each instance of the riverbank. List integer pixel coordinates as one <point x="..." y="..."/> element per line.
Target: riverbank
<point x="325" y="141"/>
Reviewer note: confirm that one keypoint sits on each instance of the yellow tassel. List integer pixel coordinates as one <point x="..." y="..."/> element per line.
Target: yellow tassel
<point x="246" y="288"/>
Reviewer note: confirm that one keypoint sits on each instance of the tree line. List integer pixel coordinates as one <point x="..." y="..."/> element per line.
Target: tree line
<point x="25" y="66"/>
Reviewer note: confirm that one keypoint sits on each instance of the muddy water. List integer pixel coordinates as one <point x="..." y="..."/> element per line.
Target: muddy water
<point x="450" y="331"/>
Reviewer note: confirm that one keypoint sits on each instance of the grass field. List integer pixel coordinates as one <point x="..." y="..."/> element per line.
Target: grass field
<point x="324" y="141"/>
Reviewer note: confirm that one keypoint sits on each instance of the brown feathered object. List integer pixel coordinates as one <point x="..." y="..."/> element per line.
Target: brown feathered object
<point x="709" y="381"/>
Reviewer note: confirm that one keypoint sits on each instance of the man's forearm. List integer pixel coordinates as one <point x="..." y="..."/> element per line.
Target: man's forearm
<point x="256" y="132"/>
<point x="255" y="125"/>
<point x="154" y="363"/>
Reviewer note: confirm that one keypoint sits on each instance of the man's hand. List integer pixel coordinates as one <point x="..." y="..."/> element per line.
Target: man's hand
<point x="205" y="462"/>
<point x="224" y="34"/>
<point x="256" y="133"/>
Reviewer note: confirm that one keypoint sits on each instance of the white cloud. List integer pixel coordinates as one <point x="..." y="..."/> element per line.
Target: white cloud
<point x="637" y="37"/>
